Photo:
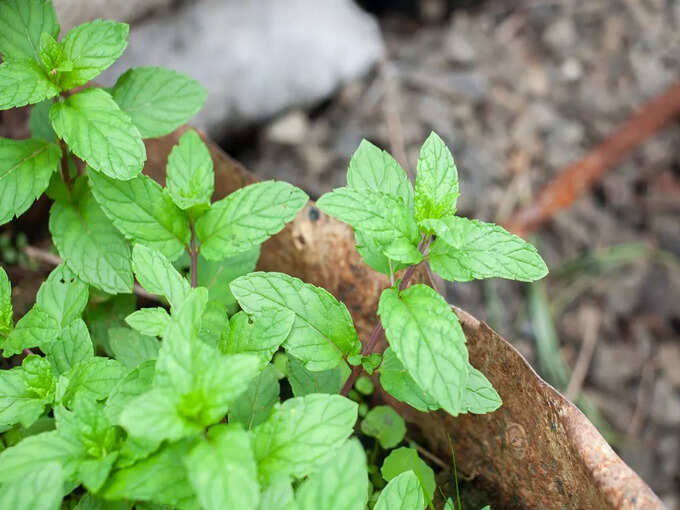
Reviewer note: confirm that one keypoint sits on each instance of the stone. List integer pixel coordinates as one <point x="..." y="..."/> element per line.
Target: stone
<point x="257" y="58"/>
<point x="665" y="408"/>
<point x="74" y="12"/>
<point x="289" y="129"/>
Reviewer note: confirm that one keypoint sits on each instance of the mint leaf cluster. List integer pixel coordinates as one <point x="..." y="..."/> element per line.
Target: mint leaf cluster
<point x="237" y="388"/>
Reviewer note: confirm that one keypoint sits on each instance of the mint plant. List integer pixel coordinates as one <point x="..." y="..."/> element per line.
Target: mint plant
<point x="235" y="389"/>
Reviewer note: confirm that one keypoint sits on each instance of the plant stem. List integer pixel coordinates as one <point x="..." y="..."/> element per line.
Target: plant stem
<point x="65" y="173"/>
<point x="378" y="332"/>
<point x="193" y="254"/>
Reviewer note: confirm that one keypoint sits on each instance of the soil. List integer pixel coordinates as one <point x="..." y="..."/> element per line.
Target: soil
<point x="518" y="93"/>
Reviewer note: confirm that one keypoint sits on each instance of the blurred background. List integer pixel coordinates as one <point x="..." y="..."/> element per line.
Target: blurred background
<point x="519" y="90"/>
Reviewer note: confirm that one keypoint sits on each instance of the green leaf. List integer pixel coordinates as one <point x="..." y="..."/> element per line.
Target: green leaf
<point x="158" y="478"/>
<point x="39" y="122"/>
<point x="132" y="348"/>
<point x="190" y="179"/>
<point x="73" y="346"/>
<point x="255" y="404"/>
<point x="214" y="324"/>
<point x="143" y="212"/>
<point x="216" y="276"/>
<point x="402" y="493"/>
<point x="92" y="47"/>
<point x="427" y="338"/>
<point x="403" y="251"/>
<point x="101" y="316"/>
<point x="302" y="434"/>
<point x="373" y="254"/>
<point x="6" y="310"/>
<point x="157" y="275"/>
<point x="480" y="397"/>
<point x="397" y="382"/>
<point x="158" y="100"/>
<point x="406" y="459"/>
<point x="40" y="490"/>
<point x="222" y="470"/>
<point x="385" y="424"/>
<point x="471" y="249"/>
<point x="53" y="56"/>
<point x="137" y="382"/>
<point x="23" y="22"/>
<point x="383" y="218"/>
<point x="35" y="328"/>
<point x="261" y="334"/>
<point x="24" y="82"/>
<point x="341" y="484"/>
<point x="323" y="331"/>
<point x="99" y="133"/>
<point x="247" y="218"/>
<point x="25" y="170"/>
<point x="278" y="496"/>
<point x="156" y="415"/>
<point x="91" y="245"/>
<point x="375" y="169"/>
<point x="63" y="295"/>
<point x="93" y="378"/>
<point x="149" y="321"/>
<point x="38" y="377"/>
<point x="17" y="403"/>
<point x="303" y="382"/>
<point x="33" y="452"/>
<point x="436" y="180"/>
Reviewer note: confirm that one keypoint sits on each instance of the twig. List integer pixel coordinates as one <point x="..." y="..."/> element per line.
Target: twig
<point x="65" y="170"/>
<point x="428" y="454"/>
<point x="54" y="260"/>
<point x="395" y="130"/>
<point x="591" y="319"/>
<point x="574" y="180"/>
<point x="644" y="395"/>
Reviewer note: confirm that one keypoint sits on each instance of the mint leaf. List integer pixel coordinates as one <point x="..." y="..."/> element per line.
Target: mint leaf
<point x="427" y="338"/>
<point x="92" y="47"/>
<point x="328" y="488"/>
<point x="63" y="295"/>
<point x="149" y="321"/>
<point x="93" y="379"/>
<point x="35" y="328"/>
<point x="303" y="382"/>
<point x="158" y="478"/>
<point x="222" y="469"/>
<point x="190" y="180"/>
<point x="402" y="493"/>
<point x="157" y="275"/>
<point x="99" y="133"/>
<point x="302" y="434"/>
<point x="404" y="251"/>
<point x="247" y="218"/>
<point x="6" y="310"/>
<point x="216" y="276"/>
<point x="25" y="170"/>
<point x="397" y="382"/>
<point x="323" y="330"/>
<point x="17" y="403"/>
<point x="38" y="377"/>
<point x="39" y="490"/>
<point x="471" y="249"/>
<point x="382" y="217"/>
<point x="480" y="397"/>
<point x="132" y="348"/>
<point x="436" y="180"/>
<point x="278" y="495"/>
<point x="33" y="452"/>
<point x="90" y="244"/>
<point x="261" y="334"/>
<point x="143" y="212"/>
<point x="385" y="424"/>
<point x="39" y="122"/>
<point x="73" y="346"/>
<point x="23" y="22"/>
<point x="214" y="324"/>
<point x="135" y="383"/>
<point x="52" y="55"/>
<point x="406" y="459"/>
<point x="375" y="169"/>
<point x="24" y="82"/>
<point x="374" y="254"/>
<point x="158" y="100"/>
<point x="255" y="404"/>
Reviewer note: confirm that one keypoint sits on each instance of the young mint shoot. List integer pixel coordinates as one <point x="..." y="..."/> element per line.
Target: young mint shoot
<point x="179" y="405"/>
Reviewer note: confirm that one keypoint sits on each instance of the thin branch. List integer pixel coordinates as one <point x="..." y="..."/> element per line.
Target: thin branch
<point x="54" y="260"/>
<point x="428" y="454"/>
<point x="591" y="318"/>
<point x="65" y="171"/>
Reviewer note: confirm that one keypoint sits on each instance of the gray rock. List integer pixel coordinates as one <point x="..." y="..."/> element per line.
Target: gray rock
<point x="257" y="58"/>
<point x="74" y="12"/>
<point x="665" y="408"/>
